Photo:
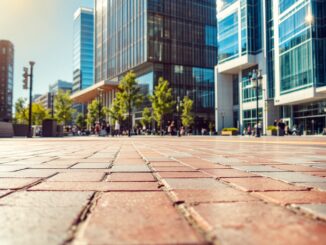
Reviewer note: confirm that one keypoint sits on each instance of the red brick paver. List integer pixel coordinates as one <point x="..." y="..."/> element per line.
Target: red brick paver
<point x="259" y="223"/>
<point x="222" y="194"/>
<point x="296" y="197"/>
<point x="227" y="173"/>
<point x="262" y="184"/>
<point x="130" y="177"/>
<point x="96" y="186"/>
<point x="163" y="190"/>
<point x="182" y="175"/>
<point x="16" y="183"/>
<point x="137" y="218"/>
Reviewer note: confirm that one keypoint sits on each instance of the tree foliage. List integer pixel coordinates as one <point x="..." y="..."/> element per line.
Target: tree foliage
<point x="117" y="110"/>
<point x="162" y="101"/>
<point x="80" y="121"/>
<point x="130" y="94"/>
<point x="20" y="114"/>
<point x="186" y="116"/>
<point x="95" y="112"/>
<point x="146" y="117"/>
<point x="63" y="107"/>
<point x="39" y="112"/>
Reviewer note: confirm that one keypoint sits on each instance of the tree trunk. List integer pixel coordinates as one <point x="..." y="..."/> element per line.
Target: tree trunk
<point x="161" y="127"/>
<point x="130" y="123"/>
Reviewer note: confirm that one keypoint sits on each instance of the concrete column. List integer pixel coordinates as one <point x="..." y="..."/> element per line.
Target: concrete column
<point x="224" y="101"/>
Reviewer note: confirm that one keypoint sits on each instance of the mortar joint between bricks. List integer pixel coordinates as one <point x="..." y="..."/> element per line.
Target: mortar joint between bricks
<point x="80" y="223"/>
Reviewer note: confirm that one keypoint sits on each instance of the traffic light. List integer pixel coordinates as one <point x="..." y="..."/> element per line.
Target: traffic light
<point x="25" y="80"/>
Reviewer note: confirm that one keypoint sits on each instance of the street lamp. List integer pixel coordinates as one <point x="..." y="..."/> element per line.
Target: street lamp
<point x="52" y="105"/>
<point x="256" y="81"/>
<point x="25" y="86"/>
<point x="178" y="111"/>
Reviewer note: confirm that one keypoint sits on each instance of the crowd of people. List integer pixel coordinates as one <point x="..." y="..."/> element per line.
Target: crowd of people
<point x="282" y="128"/>
<point x="106" y="129"/>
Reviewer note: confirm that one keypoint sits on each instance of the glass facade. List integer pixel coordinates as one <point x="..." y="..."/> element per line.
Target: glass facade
<point x="6" y="79"/>
<point x="251" y="30"/>
<point x="248" y="92"/>
<point x="250" y="117"/>
<point x="319" y="43"/>
<point x="173" y="39"/>
<point x="120" y="37"/>
<point x="228" y="38"/>
<point x="285" y="4"/>
<point x="223" y="4"/>
<point x="270" y="49"/>
<point x="310" y="117"/>
<point x="302" y="46"/>
<point x="249" y="19"/>
<point x="83" y="49"/>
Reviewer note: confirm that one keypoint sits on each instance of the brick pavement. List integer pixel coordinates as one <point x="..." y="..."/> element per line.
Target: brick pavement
<point x="152" y="190"/>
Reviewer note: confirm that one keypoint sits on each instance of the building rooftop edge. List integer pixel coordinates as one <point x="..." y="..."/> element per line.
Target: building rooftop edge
<point x="83" y="10"/>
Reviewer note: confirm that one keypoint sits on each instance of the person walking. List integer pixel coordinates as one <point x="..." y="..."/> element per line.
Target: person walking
<point x="281" y="127"/>
<point x="117" y="128"/>
<point x="108" y="128"/>
<point x="249" y="130"/>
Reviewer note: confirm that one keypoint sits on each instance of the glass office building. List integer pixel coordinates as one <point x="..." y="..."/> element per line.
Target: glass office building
<point x="301" y="46"/>
<point x="241" y="47"/>
<point x="155" y="38"/>
<point x="285" y="39"/>
<point x="6" y="79"/>
<point x="83" y="49"/>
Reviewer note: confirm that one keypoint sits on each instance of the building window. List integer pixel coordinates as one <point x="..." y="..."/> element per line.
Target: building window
<point x="228" y="38"/>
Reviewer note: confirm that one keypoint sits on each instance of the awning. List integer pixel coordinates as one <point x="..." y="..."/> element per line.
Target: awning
<point x="87" y="95"/>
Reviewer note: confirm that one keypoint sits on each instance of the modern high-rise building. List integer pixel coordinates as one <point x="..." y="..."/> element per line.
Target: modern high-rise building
<point x="171" y="39"/>
<point x="60" y="85"/>
<point x="286" y="40"/>
<point x="46" y="99"/>
<point x="83" y="49"/>
<point x="6" y="79"/>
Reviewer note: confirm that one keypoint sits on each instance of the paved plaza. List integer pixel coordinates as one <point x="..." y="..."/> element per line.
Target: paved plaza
<point x="163" y="190"/>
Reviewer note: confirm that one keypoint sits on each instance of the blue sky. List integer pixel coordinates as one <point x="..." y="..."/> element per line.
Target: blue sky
<point x="42" y="31"/>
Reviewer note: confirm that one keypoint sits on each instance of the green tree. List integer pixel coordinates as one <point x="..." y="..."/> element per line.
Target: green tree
<point x="117" y="110"/>
<point x="186" y="116"/>
<point x="162" y="101"/>
<point x="63" y="107"/>
<point x="95" y="112"/>
<point x="20" y="114"/>
<point x="130" y="95"/>
<point x="80" y="121"/>
<point x="39" y="113"/>
<point x="147" y="117"/>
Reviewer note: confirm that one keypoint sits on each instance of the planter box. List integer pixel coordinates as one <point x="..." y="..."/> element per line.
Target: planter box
<point x="229" y="133"/>
<point x="59" y="132"/>
<point x="20" y="130"/>
<point x="271" y="132"/>
<point x="49" y="128"/>
<point x="6" y="130"/>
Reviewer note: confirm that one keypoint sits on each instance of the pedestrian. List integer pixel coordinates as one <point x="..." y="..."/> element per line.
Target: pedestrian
<point x="170" y="130"/>
<point x="117" y="128"/>
<point x="182" y="131"/>
<point x="97" y="129"/>
<point x="249" y="130"/>
<point x="108" y="128"/>
<point x="281" y="127"/>
<point x="275" y="123"/>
